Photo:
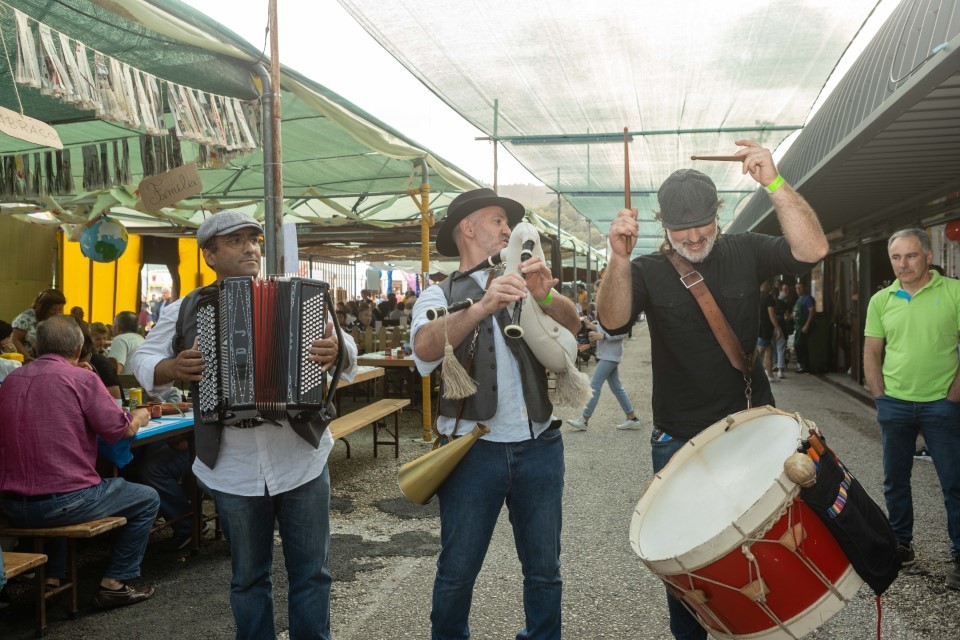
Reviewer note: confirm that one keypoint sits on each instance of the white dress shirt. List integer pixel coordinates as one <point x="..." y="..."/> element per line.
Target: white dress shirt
<point x="251" y="461"/>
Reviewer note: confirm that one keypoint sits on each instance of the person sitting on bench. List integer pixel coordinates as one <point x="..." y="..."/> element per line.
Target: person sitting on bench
<point x="51" y="413"/>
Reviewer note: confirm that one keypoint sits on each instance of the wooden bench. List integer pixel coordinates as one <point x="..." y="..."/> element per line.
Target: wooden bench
<point x="372" y="414"/>
<point x="71" y="532"/>
<point x="15" y="564"/>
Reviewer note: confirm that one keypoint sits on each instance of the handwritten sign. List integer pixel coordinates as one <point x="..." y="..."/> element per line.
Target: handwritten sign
<point x="30" y="129"/>
<point x="170" y="187"/>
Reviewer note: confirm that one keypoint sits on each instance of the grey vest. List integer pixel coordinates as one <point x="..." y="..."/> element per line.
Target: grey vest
<point x="483" y="404"/>
<point x="208" y="435"/>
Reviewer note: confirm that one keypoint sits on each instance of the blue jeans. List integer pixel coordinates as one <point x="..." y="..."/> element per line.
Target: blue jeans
<point x="160" y="466"/>
<point x="609" y="371"/>
<point x="304" y="517"/>
<point x="939" y="422"/>
<point x="112" y="497"/>
<point x="683" y="624"/>
<point x="528" y="476"/>
<point x="780" y="353"/>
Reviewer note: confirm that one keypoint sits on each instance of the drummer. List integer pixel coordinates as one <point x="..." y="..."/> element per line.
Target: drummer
<point x="694" y="384"/>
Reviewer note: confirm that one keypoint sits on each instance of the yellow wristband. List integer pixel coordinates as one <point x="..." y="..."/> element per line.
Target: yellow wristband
<point x="546" y="300"/>
<point x="776" y="184"/>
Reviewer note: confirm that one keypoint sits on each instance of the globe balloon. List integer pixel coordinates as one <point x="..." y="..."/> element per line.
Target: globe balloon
<point x="103" y="241"/>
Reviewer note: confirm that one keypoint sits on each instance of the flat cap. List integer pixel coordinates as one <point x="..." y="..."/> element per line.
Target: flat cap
<point x="223" y="223"/>
<point x="687" y="199"/>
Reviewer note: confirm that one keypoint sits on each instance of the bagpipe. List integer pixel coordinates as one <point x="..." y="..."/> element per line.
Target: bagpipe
<point x="552" y="344"/>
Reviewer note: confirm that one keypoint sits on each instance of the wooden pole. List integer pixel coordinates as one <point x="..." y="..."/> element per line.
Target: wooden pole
<point x="426" y="221"/>
<point x="276" y="161"/>
<point x="626" y="167"/>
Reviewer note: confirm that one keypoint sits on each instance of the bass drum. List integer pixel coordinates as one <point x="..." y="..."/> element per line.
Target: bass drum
<point x="722" y="526"/>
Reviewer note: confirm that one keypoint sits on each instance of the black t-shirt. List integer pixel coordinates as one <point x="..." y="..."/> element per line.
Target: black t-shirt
<point x="107" y="372"/>
<point x="694" y="384"/>
<point x="766" y="325"/>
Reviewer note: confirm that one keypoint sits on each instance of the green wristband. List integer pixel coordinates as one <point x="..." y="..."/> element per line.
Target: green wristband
<point x="546" y="300"/>
<point x="776" y="184"/>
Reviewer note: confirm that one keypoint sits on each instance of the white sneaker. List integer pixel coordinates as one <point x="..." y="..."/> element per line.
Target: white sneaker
<point x="577" y="424"/>
<point x="630" y="424"/>
<point x="780" y="375"/>
<point x="772" y="379"/>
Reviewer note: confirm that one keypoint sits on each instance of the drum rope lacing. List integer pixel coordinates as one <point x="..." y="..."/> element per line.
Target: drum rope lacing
<point x="790" y="509"/>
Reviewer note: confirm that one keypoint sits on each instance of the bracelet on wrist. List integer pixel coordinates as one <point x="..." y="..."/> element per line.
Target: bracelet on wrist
<point x="775" y="184"/>
<point x="546" y="300"/>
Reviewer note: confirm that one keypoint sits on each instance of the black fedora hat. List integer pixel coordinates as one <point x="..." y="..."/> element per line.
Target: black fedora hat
<point x="465" y="204"/>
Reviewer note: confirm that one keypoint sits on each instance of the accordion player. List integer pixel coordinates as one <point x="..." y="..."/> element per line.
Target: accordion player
<point x="254" y="335"/>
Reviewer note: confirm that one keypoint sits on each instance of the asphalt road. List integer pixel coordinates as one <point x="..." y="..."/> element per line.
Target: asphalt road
<point x="383" y="549"/>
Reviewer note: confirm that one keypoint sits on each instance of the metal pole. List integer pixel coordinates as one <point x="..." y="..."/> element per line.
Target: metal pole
<point x="576" y="294"/>
<point x="590" y="278"/>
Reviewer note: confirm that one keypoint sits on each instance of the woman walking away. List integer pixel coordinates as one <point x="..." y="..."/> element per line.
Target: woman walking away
<point x="609" y="354"/>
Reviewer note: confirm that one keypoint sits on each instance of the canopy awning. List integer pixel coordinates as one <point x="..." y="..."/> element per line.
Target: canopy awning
<point x="556" y="82"/>
<point x="341" y="165"/>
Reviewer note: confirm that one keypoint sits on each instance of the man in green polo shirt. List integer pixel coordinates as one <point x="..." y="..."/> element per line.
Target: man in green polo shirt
<point x="917" y="388"/>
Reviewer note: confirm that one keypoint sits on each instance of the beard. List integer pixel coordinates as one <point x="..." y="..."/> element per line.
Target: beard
<point x="695" y="256"/>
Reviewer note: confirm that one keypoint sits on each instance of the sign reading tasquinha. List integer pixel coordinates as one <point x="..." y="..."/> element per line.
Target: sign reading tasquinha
<point x="30" y="129"/>
<point x="170" y="187"/>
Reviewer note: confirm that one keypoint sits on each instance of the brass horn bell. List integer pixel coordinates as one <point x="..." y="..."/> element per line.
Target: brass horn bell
<point x="421" y="478"/>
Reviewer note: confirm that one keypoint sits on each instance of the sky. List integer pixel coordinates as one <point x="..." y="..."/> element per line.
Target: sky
<point x="321" y="40"/>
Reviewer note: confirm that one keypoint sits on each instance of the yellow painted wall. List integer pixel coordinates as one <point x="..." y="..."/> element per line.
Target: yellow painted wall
<point x="107" y="300"/>
<point x="193" y="270"/>
<point x="27" y="256"/>
<point x="102" y="289"/>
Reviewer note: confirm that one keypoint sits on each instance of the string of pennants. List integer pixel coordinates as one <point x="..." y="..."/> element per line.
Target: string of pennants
<point x="73" y="73"/>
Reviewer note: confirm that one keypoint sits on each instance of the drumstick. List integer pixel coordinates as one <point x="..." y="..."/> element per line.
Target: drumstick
<point x="626" y="168"/>
<point x="626" y="176"/>
<point x="816" y="444"/>
<point x="719" y="158"/>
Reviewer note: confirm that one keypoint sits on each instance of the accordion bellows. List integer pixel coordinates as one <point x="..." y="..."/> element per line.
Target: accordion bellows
<point x="254" y="335"/>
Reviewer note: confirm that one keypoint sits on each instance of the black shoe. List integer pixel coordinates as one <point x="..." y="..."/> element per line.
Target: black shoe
<point x="953" y="578"/>
<point x="125" y="595"/>
<point x="907" y="556"/>
<point x="922" y="454"/>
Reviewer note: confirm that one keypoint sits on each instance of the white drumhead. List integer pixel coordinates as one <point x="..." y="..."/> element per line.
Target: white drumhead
<point x="730" y="474"/>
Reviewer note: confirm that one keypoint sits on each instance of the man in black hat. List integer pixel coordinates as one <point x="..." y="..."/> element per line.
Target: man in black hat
<point x="259" y="472"/>
<point x="694" y="383"/>
<point x="520" y="461"/>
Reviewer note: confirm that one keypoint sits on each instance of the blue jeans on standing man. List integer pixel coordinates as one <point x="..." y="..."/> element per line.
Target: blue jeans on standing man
<point x="683" y="624"/>
<point x="304" y="517"/>
<point x="528" y="476"/>
<point x="609" y="371"/>
<point x="939" y="422"/>
<point x="780" y="352"/>
<point x="112" y="497"/>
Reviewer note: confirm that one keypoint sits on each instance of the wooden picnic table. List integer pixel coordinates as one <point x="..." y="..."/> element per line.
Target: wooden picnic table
<point x="389" y="360"/>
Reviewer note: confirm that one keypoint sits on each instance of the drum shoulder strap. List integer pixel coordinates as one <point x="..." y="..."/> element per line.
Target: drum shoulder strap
<point x="693" y="281"/>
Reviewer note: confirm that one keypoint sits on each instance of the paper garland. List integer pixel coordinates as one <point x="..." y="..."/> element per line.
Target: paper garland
<point x="116" y="91"/>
